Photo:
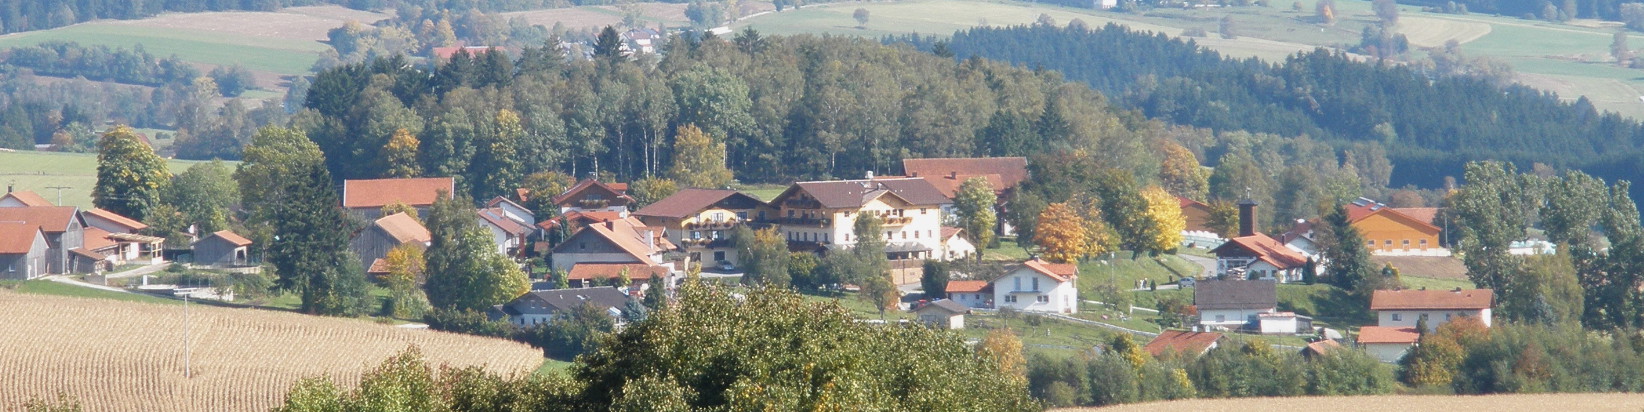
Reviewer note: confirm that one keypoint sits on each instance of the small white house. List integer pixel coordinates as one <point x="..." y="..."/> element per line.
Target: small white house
<point x="1404" y="308"/>
<point x="540" y="307"/>
<point x="945" y="314"/>
<point x="1234" y="304"/>
<point x="1284" y="323"/>
<point x="1387" y="344"/>
<point x="1039" y="286"/>
<point x="971" y="293"/>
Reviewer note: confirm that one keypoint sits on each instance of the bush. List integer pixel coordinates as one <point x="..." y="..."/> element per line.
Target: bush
<point x="466" y="321"/>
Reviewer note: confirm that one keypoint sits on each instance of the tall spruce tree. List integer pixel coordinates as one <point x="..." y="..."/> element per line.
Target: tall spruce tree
<point x="1345" y="253"/>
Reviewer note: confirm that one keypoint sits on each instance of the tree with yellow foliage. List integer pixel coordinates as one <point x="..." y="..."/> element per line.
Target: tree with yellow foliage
<point x="1164" y="215"/>
<point x="699" y="161"/>
<point x="401" y="155"/>
<point x="1181" y="174"/>
<point x="1062" y="234"/>
<point x="1005" y="350"/>
<point x="406" y="271"/>
<point x="401" y="207"/>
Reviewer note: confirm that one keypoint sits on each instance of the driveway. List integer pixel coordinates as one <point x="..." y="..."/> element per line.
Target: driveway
<point x="1209" y="264"/>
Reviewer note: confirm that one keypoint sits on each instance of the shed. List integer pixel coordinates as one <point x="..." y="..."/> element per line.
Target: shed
<point x="223" y="248"/>
<point x="944" y="313"/>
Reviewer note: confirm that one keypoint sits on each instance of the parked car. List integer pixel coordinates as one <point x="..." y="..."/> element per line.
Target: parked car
<point x="726" y="266"/>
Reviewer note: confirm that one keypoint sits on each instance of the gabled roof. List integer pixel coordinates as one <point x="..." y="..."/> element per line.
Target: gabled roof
<point x="1059" y="271"/>
<point x="580" y="217"/>
<point x="376" y="193"/>
<point x="1185" y="203"/>
<point x="967" y="286"/>
<point x="617" y="190"/>
<point x="1424" y="214"/>
<point x="403" y="228"/>
<point x="1264" y="248"/>
<point x="1011" y="171"/>
<point x="626" y="234"/>
<point x="18" y="238"/>
<point x="853" y="194"/>
<point x="636" y="271"/>
<point x="1235" y="294"/>
<point x="1468" y="299"/>
<point x="944" y="305"/>
<point x="549" y="301"/>
<point x="378" y="266"/>
<point x="1186" y="342"/>
<point x="97" y="238"/>
<point x="131" y="225"/>
<point x="1381" y="334"/>
<point x="227" y="236"/>
<point x="690" y="201"/>
<point x="948" y="232"/>
<point x="88" y="254"/>
<point x="1322" y="347"/>
<point x="495" y="217"/>
<point x="1357" y="212"/>
<point x="499" y="200"/>
<point x="949" y="184"/>
<point x="50" y="219"/>
<point x="27" y="198"/>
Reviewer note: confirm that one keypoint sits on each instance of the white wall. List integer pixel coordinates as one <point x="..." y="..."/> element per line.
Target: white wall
<point x="972" y="299"/>
<point x="1387" y="352"/>
<point x="1278" y="325"/>
<point x="1408" y="318"/>
<point x="1060" y="297"/>
<point x="1230" y="318"/>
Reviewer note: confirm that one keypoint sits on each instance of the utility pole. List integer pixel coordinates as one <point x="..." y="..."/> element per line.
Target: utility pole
<point x="187" y="369"/>
<point x="59" y="193"/>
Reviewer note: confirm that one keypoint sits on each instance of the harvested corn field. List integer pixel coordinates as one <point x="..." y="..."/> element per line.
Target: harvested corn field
<point x="129" y="356"/>
<point x="1630" y="402"/>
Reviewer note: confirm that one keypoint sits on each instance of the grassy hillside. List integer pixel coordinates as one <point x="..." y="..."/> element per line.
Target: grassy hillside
<point x="1570" y="59"/>
<point x="284" y="56"/>
<point x="39" y="171"/>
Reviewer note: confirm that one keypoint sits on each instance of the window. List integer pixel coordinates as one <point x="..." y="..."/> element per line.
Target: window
<point x="718" y="234"/>
<point x="1370" y="243"/>
<point x="582" y="245"/>
<point x="743" y="215"/>
<point x="1044" y="299"/>
<point x="719" y="216"/>
<point x="1388" y="243"/>
<point x="719" y="255"/>
<point x="888" y="235"/>
<point x="1447" y="317"/>
<point x="1396" y="317"/>
<point x="1407" y="243"/>
<point x="924" y="211"/>
<point x="904" y="234"/>
<point x="1016" y="282"/>
<point x="847" y="237"/>
<point x="1221" y="318"/>
<point x="1035" y="284"/>
<point x="1424" y="243"/>
<point x="696" y="234"/>
<point x="1010" y="298"/>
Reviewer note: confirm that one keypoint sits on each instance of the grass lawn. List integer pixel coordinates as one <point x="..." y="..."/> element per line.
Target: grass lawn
<point x="284" y="56"/>
<point x="37" y="171"/>
<point x="552" y="366"/>
<point x="1007" y="251"/>
<point x="1050" y="335"/>
<point x="1328" y="305"/>
<point x="764" y="192"/>
<point x="1417" y="282"/>
<point x="1125" y="271"/>
<point x="46" y="287"/>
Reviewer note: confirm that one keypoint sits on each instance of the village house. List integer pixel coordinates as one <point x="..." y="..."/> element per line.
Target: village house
<point x="512" y="210"/>
<point x="1387" y="344"/>
<point x="367" y="197"/>
<point x="1254" y="255"/>
<point x="947" y="174"/>
<point x="1039" y="286"/>
<point x="384" y="234"/>
<point x="1197" y="233"/>
<point x="971" y="293"/>
<point x="1393" y="231"/>
<point x="63" y="227"/>
<point x="954" y="246"/>
<point x="702" y="220"/>
<point x="1234" y="304"/>
<point x="821" y="216"/>
<point x="617" y="241"/>
<point x="1283" y="323"/>
<point x="508" y="234"/>
<point x="586" y="275"/>
<point x="117" y="238"/>
<point x="222" y="249"/>
<point x="594" y="196"/>
<point x="1190" y="343"/>
<point x="1404" y="308"/>
<point x="943" y="314"/>
<point x="543" y="306"/>
<point x="23" y="251"/>
<point x="23" y="199"/>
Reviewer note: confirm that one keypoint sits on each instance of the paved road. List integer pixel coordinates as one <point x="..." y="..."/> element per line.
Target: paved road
<point x="1208" y="264"/>
<point x="71" y="281"/>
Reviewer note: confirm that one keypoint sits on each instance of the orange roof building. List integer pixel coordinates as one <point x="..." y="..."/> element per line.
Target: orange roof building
<point x="111" y="222"/>
<point x="386" y="233"/>
<point x="23" y="251"/>
<point x="1038" y="286"/>
<point x="1004" y="173"/>
<point x="594" y="196"/>
<point x="1388" y="344"/>
<point x="368" y="196"/>
<point x="1405" y="308"/>
<point x="23" y="198"/>
<point x="618" y="241"/>
<point x="971" y="293"/>
<point x="1389" y="230"/>
<point x="1184" y="342"/>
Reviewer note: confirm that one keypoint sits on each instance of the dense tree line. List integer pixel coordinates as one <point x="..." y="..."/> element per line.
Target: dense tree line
<point x="101" y="63"/>
<point x="1465" y="356"/>
<point x="1431" y="123"/>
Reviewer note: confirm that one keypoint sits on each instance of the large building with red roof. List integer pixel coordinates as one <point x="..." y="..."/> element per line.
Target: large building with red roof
<point x="367" y="197"/>
<point x="1396" y="231"/>
<point x="1404" y="308"/>
<point x="702" y="220"/>
<point x="1254" y="255"/>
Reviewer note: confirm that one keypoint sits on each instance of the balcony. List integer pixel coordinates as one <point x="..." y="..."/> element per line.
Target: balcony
<point x="803" y="221"/>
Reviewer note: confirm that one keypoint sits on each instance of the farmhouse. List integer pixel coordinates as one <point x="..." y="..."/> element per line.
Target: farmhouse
<point x="971" y="293"/>
<point x="1253" y="255"/>
<point x="701" y="221"/>
<point x="385" y="234"/>
<point x="366" y="198"/>
<point x="954" y="246"/>
<point x="821" y="216"/>
<point x="63" y="228"/>
<point x="512" y="210"/>
<point x="222" y="249"/>
<point x="617" y="241"/>
<point x="943" y="314"/>
<point x="1234" y="304"/>
<point x="543" y="306"/>
<point x="1184" y="342"/>
<point x="1404" y="308"/>
<point x="23" y="249"/>
<point x="1039" y="286"/>
<point x="1387" y="344"/>
<point x="1198" y="232"/>
<point x="947" y="174"/>
<point x="585" y="275"/>
<point x="23" y="199"/>
<point x="117" y="238"/>
<point x="593" y="196"/>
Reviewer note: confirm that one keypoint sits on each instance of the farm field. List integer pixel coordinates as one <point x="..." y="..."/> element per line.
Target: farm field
<point x="1570" y="59"/>
<point x="1498" y="403"/>
<point x="38" y="171"/>
<point x="128" y="356"/>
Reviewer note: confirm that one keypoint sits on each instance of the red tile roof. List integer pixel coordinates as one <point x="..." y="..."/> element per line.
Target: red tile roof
<point x="948" y="232"/>
<point x="1425" y="214"/>
<point x="17" y="238"/>
<point x="636" y="271"/>
<point x="1323" y="346"/>
<point x="376" y="193"/>
<point x="690" y="201"/>
<point x="97" y="238"/>
<point x="379" y="266"/>
<point x="619" y="190"/>
<point x="231" y="238"/>
<point x="1059" y="271"/>
<point x="1470" y="299"/>
<point x="27" y="198"/>
<point x="967" y="286"/>
<point x="1011" y="171"/>
<point x="853" y="194"/>
<point x="50" y="219"/>
<point x="1379" y="334"/>
<point x="131" y="225"/>
<point x="495" y="217"/>
<point x="1265" y="249"/>
<point x="1355" y="213"/>
<point x="1185" y="202"/>
<point x="949" y="184"/>
<point x="580" y="218"/>
<point x="627" y="234"/>
<point x="1182" y="341"/>
<point x="404" y="229"/>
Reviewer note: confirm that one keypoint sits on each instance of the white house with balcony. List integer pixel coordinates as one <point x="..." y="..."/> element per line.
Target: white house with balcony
<point x="1038" y="286"/>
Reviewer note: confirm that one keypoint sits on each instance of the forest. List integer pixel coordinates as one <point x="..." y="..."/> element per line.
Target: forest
<point x="1430" y="121"/>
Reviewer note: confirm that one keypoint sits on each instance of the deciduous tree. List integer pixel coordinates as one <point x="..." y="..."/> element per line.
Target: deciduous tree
<point x="1164" y="215"/>
<point x="649" y="190"/>
<point x="401" y="154"/>
<point x="699" y="161"/>
<point x="465" y="270"/>
<point x="974" y="206"/>
<point x="1061" y="234"/>
<point x="764" y="256"/>
<point x="130" y="177"/>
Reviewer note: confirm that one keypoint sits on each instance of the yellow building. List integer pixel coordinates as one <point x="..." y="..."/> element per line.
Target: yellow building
<point x="1391" y="231"/>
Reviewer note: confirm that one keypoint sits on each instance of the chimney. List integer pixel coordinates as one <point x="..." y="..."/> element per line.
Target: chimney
<point x="609" y="224"/>
<point x="870" y="175"/>
<point x="953" y="175"/>
<point x="1247" y="217"/>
